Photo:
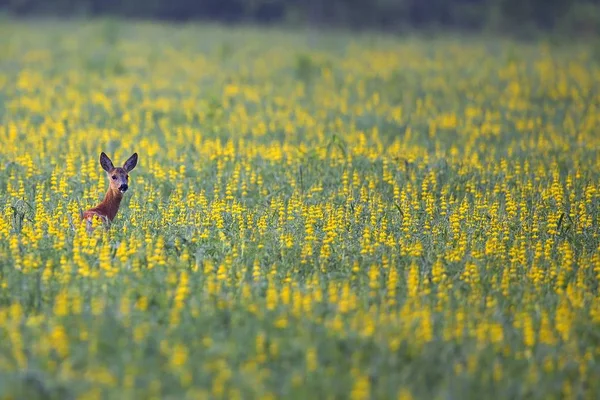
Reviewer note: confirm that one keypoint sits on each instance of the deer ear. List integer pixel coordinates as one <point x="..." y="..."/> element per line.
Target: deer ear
<point x="131" y="162"/>
<point x="105" y="162"/>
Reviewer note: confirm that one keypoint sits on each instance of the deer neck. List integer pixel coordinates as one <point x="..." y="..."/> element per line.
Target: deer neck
<point x="110" y="204"/>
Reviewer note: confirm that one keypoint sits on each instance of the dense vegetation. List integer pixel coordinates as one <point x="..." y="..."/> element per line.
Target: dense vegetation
<point x="508" y="16"/>
<point x="365" y="217"/>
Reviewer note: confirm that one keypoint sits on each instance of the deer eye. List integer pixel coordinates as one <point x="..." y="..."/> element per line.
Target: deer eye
<point x="114" y="177"/>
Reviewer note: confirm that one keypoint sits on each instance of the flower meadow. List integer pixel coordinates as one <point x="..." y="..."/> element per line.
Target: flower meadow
<point x="312" y="215"/>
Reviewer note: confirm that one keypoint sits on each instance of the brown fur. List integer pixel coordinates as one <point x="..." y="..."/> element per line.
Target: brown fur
<point x="118" y="179"/>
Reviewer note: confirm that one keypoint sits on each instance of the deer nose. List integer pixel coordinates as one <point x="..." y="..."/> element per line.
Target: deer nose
<point x="123" y="187"/>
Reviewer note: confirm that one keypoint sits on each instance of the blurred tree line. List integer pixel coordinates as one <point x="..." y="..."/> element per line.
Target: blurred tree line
<point x="580" y="15"/>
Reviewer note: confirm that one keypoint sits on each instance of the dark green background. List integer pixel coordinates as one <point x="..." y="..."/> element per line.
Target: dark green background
<point x="508" y="15"/>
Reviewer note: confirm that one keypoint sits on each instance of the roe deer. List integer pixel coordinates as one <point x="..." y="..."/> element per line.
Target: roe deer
<point x="119" y="178"/>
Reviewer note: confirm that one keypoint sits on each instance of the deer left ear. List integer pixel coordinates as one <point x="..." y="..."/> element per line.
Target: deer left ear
<point x="105" y="162"/>
<point x="131" y="162"/>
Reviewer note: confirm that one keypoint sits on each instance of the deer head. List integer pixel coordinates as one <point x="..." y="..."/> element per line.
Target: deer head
<point x="119" y="176"/>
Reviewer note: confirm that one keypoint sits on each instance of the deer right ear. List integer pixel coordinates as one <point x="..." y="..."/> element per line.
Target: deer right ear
<point x="131" y="162"/>
<point x="105" y="162"/>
